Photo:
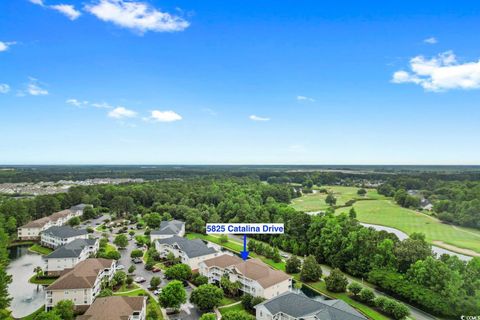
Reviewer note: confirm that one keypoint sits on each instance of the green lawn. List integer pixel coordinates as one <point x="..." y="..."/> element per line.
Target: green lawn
<point x="316" y="201"/>
<point x="46" y="282"/>
<point x="387" y="213"/>
<point x="131" y="293"/>
<point x="40" y="250"/>
<point x="125" y="288"/>
<point x="226" y="301"/>
<point x="237" y="307"/>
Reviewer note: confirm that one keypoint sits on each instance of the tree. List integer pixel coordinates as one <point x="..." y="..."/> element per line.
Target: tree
<point x="137" y="253"/>
<point x="362" y="192"/>
<point x="47" y="316"/>
<point x="230" y="288"/>
<point x="276" y="257"/>
<point x="155" y="282"/>
<point x="121" y="241"/>
<point x="75" y="221"/>
<point x="336" y="281"/>
<point x="352" y="213"/>
<point x="38" y="271"/>
<point x="180" y="272"/>
<point x="154" y="220"/>
<point x="208" y="316"/>
<point x="366" y="295"/>
<point x="311" y="270"/>
<point x="105" y="293"/>
<point x="330" y="199"/>
<point x="132" y="269"/>
<point x="129" y="281"/>
<point x="237" y="315"/>
<point x="198" y="279"/>
<point x="354" y="288"/>
<point x="119" y="278"/>
<point x="122" y="205"/>
<point x="293" y="265"/>
<point x="5" y="278"/>
<point x="223" y="238"/>
<point x="206" y="297"/>
<point x="400" y="311"/>
<point x="65" y="309"/>
<point x="411" y="250"/>
<point x="89" y="213"/>
<point x="173" y="295"/>
<point x="249" y="302"/>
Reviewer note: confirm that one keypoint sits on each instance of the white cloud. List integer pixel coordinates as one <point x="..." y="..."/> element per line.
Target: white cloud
<point x="431" y="40"/>
<point x="4" y="88"/>
<point x="257" y="118"/>
<point x="164" y="116"/>
<point x="68" y="10"/>
<point x="4" y="46"/>
<point x="121" y="112"/>
<point x="102" y="105"/>
<point x="304" y="98"/>
<point x="441" y="73"/>
<point x="39" y="2"/>
<point x="34" y="88"/>
<point x="138" y="16"/>
<point x="76" y="103"/>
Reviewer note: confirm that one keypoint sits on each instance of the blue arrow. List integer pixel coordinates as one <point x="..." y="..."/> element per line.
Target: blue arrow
<point x="244" y="253"/>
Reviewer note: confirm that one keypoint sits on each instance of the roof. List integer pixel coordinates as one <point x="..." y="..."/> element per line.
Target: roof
<point x="54" y="217"/>
<point x="83" y="276"/>
<point x="298" y="305"/>
<point x="113" y="308"/>
<point x="80" y="206"/>
<point x="169" y="228"/>
<point x="64" y="232"/>
<point x="37" y="223"/>
<point x="223" y="261"/>
<point x="72" y="249"/>
<point x="192" y="248"/>
<point x="256" y="270"/>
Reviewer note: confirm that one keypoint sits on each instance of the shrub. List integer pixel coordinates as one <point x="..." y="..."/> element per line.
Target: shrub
<point x="366" y="295"/>
<point x="336" y="281"/>
<point x="354" y="288"/>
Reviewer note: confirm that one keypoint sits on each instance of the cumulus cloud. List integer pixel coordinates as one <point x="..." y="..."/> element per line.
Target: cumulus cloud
<point x="431" y="40"/>
<point x="39" y="2"/>
<point x="121" y="113"/>
<point x="77" y="103"/>
<point x="67" y="10"/>
<point x="137" y="16"/>
<point x="102" y="105"/>
<point x="257" y="118"/>
<point x="164" y="116"/>
<point x="304" y="98"/>
<point x="440" y="73"/>
<point x="4" y="46"/>
<point x="4" y="88"/>
<point x="34" y="88"/>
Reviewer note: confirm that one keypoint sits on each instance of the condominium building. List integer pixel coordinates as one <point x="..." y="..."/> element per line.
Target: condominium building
<point x="57" y="236"/>
<point x="69" y="255"/>
<point x="168" y="229"/>
<point x="116" y="308"/>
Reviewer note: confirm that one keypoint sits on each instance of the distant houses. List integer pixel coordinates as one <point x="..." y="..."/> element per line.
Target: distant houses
<point x="116" y="308"/>
<point x="69" y="255"/>
<point x="168" y="229"/>
<point x="81" y="284"/>
<point x="32" y="230"/>
<point x="257" y="278"/>
<point x="190" y="252"/>
<point x="57" y="236"/>
<point x="297" y="306"/>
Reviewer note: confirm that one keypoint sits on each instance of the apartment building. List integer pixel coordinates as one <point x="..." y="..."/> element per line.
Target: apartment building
<point x="116" y="308"/>
<point x="69" y="255"/>
<point x="57" y="236"/>
<point x="257" y="278"/>
<point x="168" y="229"/>
<point x="81" y="284"/>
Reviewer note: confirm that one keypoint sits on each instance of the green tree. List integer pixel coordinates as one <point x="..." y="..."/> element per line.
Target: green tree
<point x="330" y="199"/>
<point x="354" y="288"/>
<point x="208" y="316"/>
<point x="366" y="295"/>
<point x="105" y="293"/>
<point x="230" y="288"/>
<point x="119" y="278"/>
<point x="336" y="281"/>
<point x="132" y="269"/>
<point x="223" y="238"/>
<point x="47" y="316"/>
<point x="89" y="213"/>
<point x="362" y="192"/>
<point x="137" y="253"/>
<point x="411" y="250"/>
<point x="155" y="282"/>
<point x="180" y="272"/>
<point x="311" y="270"/>
<point x="352" y="213"/>
<point x="206" y="297"/>
<point x="75" y="221"/>
<point x="65" y="309"/>
<point x="129" y="281"/>
<point x="293" y="265"/>
<point x="173" y="295"/>
<point x="237" y="315"/>
<point x="154" y="220"/>
<point x="121" y="241"/>
<point x="122" y="205"/>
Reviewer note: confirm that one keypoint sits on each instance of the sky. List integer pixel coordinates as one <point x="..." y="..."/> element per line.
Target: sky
<point x="239" y="82"/>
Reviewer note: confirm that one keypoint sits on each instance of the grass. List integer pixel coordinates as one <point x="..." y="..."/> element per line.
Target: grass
<point x="45" y="282"/>
<point x="125" y="288"/>
<point x="237" y="307"/>
<point x="40" y="250"/>
<point x="316" y="201"/>
<point x="110" y="248"/>
<point x="387" y="213"/>
<point x="33" y="315"/>
<point x="226" y="301"/>
<point x="131" y="293"/>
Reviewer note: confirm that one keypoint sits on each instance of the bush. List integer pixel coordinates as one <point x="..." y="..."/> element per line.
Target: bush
<point x="207" y="297"/>
<point x="137" y="253"/>
<point x="354" y="288"/>
<point x="198" y="279"/>
<point x="366" y="295"/>
<point x="311" y="270"/>
<point x="336" y="281"/>
<point x="208" y="316"/>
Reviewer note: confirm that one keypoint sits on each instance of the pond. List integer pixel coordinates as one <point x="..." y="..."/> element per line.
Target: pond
<point x="27" y="297"/>
<point x="402" y="236"/>
<point x="309" y="293"/>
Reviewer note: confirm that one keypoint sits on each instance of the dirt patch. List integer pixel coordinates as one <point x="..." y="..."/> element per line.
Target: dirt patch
<point x="467" y="252"/>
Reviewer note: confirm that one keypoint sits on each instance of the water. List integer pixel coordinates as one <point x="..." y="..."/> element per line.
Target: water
<point x="27" y="297"/>
<point x="310" y="293"/>
<point x="402" y="236"/>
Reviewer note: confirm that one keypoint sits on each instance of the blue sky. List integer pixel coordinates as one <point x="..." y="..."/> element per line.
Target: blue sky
<point x="239" y="82"/>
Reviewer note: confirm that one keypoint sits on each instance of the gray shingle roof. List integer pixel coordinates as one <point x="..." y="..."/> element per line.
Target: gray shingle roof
<point x="64" y="232"/>
<point x="80" y="206"/>
<point x="298" y="305"/>
<point x="72" y="249"/>
<point x="169" y="228"/>
<point x="192" y="248"/>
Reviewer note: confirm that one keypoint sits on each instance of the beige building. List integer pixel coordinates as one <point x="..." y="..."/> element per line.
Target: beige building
<point x="32" y="230"/>
<point x="69" y="255"/>
<point x="257" y="278"/>
<point x="80" y="284"/>
<point x="117" y="308"/>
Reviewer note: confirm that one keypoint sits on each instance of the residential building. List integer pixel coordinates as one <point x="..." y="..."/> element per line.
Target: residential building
<point x="31" y="230"/>
<point x="69" y="255"/>
<point x="190" y="252"/>
<point x="116" y="308"/>
<point x="168" y="229"/>
<point x="57" y="236"/>
<point x="257" y="278"/>
<point x="80" y="284"/>
<point x="296" y="306"/>
<point x="425" y="204"/>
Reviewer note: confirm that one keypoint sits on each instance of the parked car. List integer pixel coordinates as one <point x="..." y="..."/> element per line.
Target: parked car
<point x="156" y="270"/>
<point x="157" y="292"/>
<point x="137" y="260"/>
<point x="120" y="267"/>
<point x="139" y="280"/>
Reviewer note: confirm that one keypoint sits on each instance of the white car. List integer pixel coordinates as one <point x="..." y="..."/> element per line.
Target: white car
<point x="139" y="280"/>
<point x="157" y="292"/>
<point x="120" y="267"/>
